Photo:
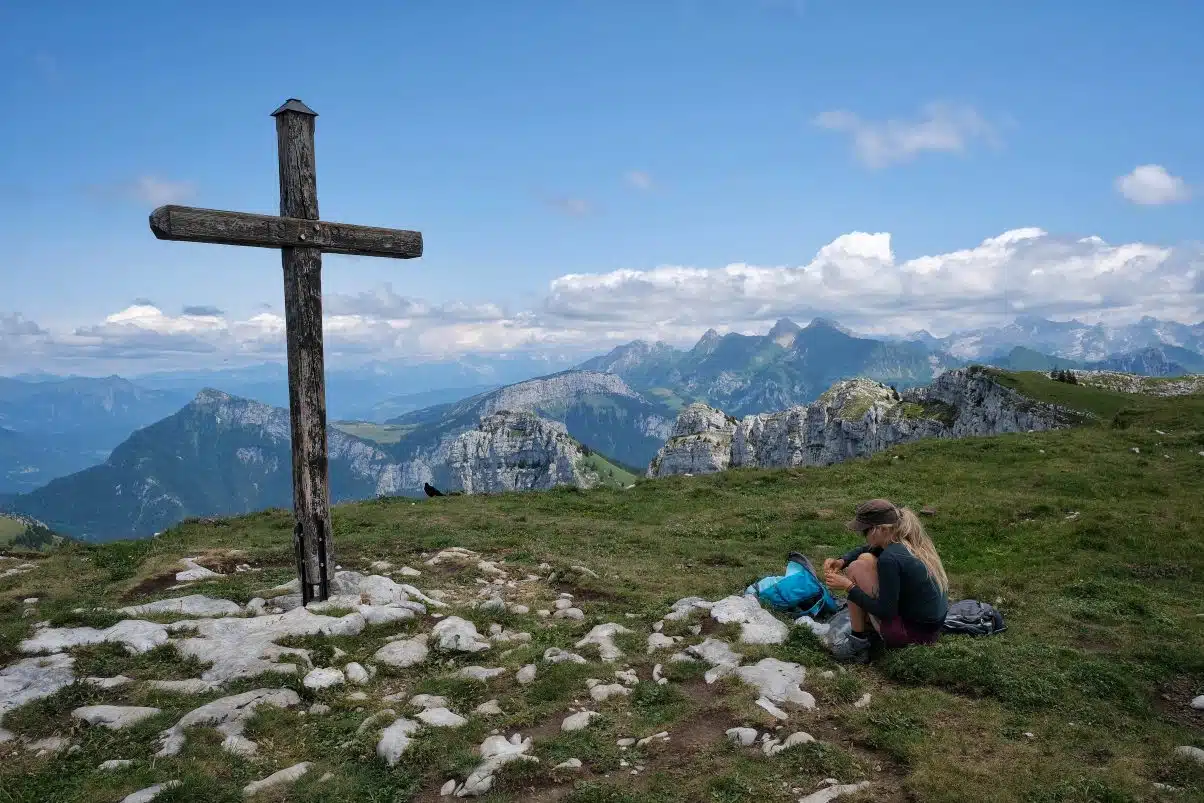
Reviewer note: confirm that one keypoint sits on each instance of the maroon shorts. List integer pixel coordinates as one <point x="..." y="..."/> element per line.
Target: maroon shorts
<point x="896" y="632"/>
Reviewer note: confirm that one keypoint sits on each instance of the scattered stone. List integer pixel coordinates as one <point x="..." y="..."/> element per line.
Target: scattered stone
<point x="862" y="701"/>
<point x="1191" y="753"/>
<point x="318" y="709"/>
<point x="395" y="739"/>
<point x="526" y="675"/>
<point x="489" y="708"/>
<point x="627" y="677"/>
<point x="742" y="736"/>
<point x="696" y="630"/>
<point x="1135" y="450"/>
<point x="442" y="718"/>
<point x="228" y="715"/>
<point x="778" y="681"/>
<point x="380" y="566"/>
<point x="663" y="736"/>
<point x="773" y="710"/>
<point x="407" y="571"/>
<point x="575" y="614"/>
<point x="356" y="674"/>
<point x="684" y="607"/>
<point x="454" y="554"/>
<point x="585" y="571"/>
<point x="496" y="751"/>
<point x="257" y="606"/>
<point x="659" y="641"/>
<point x="51" y="744"/>
<point x="604" y="691"/>
<point x="570" y="764"/>
<point x="604" y="637"/>
<point x="189" y="686"/>
<point x="285" y="776"/>
<point x="108" y="683"/>
<point x="30" y="601"/>
<point x="454" y="634"/>
<point x="626" y="742"/>
<point x="149" y="793"/>
<point x="715" y="652"/>
<point x="575" y="722"/>
<point x="757" y="625"/>
<point x="564" y="603"/>
<point x="555" y="655"/>
<point x="403" y="653"/>
<point x="137" y="636"/>
<point x="519" y="610"/>
<point x="543" y="613"/>
<point x="192" y="605"/>
<point x="194" y="571"/>
<point x="113" y="717"/>
<point x="828" y="674"/>
<point x="833" y="792"/>
<point x="1198" y="703"/>
<point x="114" y="764"/>
<point x="493" y="605"/>
<point x="771" y="746"/>
<point x="357" y="696"/>
<point x="32" y="679"/>
<point x="505" y="636"/>
<point x="480" y="673"/>
<point x="657" y="675"/>
<point x="324" y="678"/>
<point x="448" y="788"/>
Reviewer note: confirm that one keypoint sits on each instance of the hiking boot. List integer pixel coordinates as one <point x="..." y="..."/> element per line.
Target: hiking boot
<point x="852" y="650"/>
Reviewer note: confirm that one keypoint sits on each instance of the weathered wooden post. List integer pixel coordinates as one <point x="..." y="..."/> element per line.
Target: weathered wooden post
<point x="301" y="238"/>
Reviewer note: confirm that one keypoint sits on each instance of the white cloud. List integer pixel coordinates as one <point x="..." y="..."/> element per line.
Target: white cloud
<point x="858" y="279"/>
<point x="941" y="127"/>
<point x="638" y="179"/>
<point x="1152" y="185"/>
<point x="158" y="191"/>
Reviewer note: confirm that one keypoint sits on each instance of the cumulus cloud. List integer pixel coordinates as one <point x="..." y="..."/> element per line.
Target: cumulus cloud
<point x="147" y="189"/>
<point x="638" y="179"/>
<point x="204" y="311"/>
<point x="858" y="278"/>
<point x="1152" y="185"/>
<point x="940" y="127"/>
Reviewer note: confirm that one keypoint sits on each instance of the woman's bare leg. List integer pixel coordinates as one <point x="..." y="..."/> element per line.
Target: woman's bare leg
<point x="864" y="572"/>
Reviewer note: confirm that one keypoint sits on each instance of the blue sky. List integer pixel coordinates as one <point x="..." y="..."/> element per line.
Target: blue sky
<point x="650" y="145"/>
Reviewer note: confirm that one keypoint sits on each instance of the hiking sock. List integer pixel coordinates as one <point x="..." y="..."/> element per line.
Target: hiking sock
<point x="859" y="634"/>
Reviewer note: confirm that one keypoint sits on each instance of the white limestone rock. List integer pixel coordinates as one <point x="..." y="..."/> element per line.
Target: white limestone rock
<point x="403" y="653"/>
<point x="380" y="566"/>
<point x="228" y="715"/>
<point x="277" y="779"/>
<point x="493" y="605"/>
<point x="135" y="635"/>
<point x="194" y="571"/>
<point x="408" y="571"/>
<point x="569" y="764"/>
<point x="686" y="606"/>
<point x="32" y="679"/>
<point x="771" y="746"/>
<point x="627" y="677"/>
<point x="742" y="736"/>
<point x="113" y="717"/>
<point x="757" y="625"/>
<point x="481" y="673"/>
<point x="659" y="641"/>
<point x="395" y="739"/>
<point x="1190" y="753"/>
<point x="356" y="674"/>
<point x="149" y="793"/>
<point x="575" y="722"/>
<point x="778" y="681"/>
<point x="114" y="764"/>
<point x="526" y="675"/>
<point x="603" y="636"/>
<point x="454" y="554"/>
<point x="519" y="610"/>
<point x="495" y="751"/>
<point x="604" y="691"/>
<point x="863" y="701"/>
<point x="573" y="614"/>
<point x="715" y="652"/>
<point x="1198" y="703"/>
<point x="385" y="614"/>
<point x="832" y="792"/>
<point x="442" y="718"/>
<point x="428" y="700"/>
<point x="454" y="634"/>
<point x="108" y="683"/>
<point x="323" y="678"/>
<point x="555" y="655"/>
<point x="191" y="605"/>
<point x="773" y="710"/>
<point x="188" y="686"/>
<point x="489" y="708"/>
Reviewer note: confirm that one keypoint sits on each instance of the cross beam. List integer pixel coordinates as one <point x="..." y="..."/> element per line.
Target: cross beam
<point x="301" y="238"/>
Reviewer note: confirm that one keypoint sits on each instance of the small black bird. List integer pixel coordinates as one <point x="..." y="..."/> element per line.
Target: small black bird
<point x="431" y="490"/>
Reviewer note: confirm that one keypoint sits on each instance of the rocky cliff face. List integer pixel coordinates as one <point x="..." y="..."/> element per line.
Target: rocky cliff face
<point x="854" y="418"/>
<point x="517" y="452"/>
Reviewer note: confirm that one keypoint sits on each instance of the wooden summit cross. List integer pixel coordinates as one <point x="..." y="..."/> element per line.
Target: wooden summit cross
<point x="301" y="238"/>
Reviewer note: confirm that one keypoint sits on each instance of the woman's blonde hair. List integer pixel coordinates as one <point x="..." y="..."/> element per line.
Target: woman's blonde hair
<point x="909" y="531"/>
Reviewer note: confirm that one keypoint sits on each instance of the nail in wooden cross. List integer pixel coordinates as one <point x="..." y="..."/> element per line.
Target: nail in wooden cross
<point x="301" y="238"/>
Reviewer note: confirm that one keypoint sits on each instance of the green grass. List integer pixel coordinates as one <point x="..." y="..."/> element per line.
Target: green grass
<point x="1094" y="554"/>
<point x="612" y="476"/>
<point x="10" y="528"/>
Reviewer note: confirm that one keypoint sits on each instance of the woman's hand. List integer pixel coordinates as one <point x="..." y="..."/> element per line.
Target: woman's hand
<point x="833" y="564"/>
<point x="837" y="581"/>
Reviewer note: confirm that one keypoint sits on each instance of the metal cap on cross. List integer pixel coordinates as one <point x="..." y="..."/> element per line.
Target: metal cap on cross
<point x="301" y="238"/>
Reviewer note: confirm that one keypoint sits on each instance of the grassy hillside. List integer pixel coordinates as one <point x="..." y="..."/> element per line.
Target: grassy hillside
<point x="1094" y="553"/>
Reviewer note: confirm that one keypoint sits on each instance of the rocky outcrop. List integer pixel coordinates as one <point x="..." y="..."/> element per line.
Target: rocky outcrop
<point x="854" y="418"/>
<point x="517" y="452"/>
<point x="1146" y="385"/>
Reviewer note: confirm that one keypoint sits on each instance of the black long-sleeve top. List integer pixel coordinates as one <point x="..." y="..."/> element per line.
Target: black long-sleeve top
<point x="904" y="588"/>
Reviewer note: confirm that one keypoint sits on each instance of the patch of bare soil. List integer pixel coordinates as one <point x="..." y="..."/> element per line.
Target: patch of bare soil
<point x="151" y="586"/>
<point x="1174" y="701"/>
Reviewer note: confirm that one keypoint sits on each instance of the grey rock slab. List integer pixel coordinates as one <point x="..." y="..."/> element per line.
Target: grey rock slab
<point x="395" y="739"/>
<point x="114" y="764"/>
<point x="773" y="710"/>
<point x="136" y="635"/>
<point x="277" y="779"/>
<point x="403" y="653"/>
<point x="385" y="614"/>
<point x="408" y="571"/>
<point x="575" y="722"/>
<point x="323" y="678"/>
<point x="194" y="571"/>
<point x="1198" y="703"/>
<point x="604" y="691"/>
<point x="191" y="605"/>
<point x="488" y="708"/>
<point x="519" y="610"/>
<point x="149" y="793"/>
<point x="496" y="752"/>
<point x="863" y="700"/>
<point x="33" y="679"/>
<point x="428" y="700"/>
<point x="228" y="715"/>
<point x="481" y="673"/>
<point x="189" y="686"/>
<point x="833" y="792"/>
<point x="757" y="625"/>
<point x="454" y="634"/>
<point x="778" y="681"/>
<point x="442" y="718"/>
<point x="108" y="683"/>
<point x="1190" y="753"/>
<point x="563" y="604"/>
<point x="684" y="607"/>
<point x="627" y="677"/>
<point x="659" y="641"/>
<point x="603" y="637"/>
<point x="555" y="655"/>
<point x="715" y="652"/>
<point x="569" y="764"/>
<point x="113" y="717"/>
<point x="356" y="674"/>
<point x="574" y="614"/>
<point x="742" y="736"/>
<point x="526" y="675"/>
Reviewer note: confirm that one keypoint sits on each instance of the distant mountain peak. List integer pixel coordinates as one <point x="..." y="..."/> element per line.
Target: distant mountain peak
<point x="828" y="323"/>
<point x="212" y="396"/>
<point x="784" y="332"/>
<point x="707" y="343"/>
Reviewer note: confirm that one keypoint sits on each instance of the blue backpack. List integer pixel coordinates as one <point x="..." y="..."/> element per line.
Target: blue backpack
<point x="798" y="593"/>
